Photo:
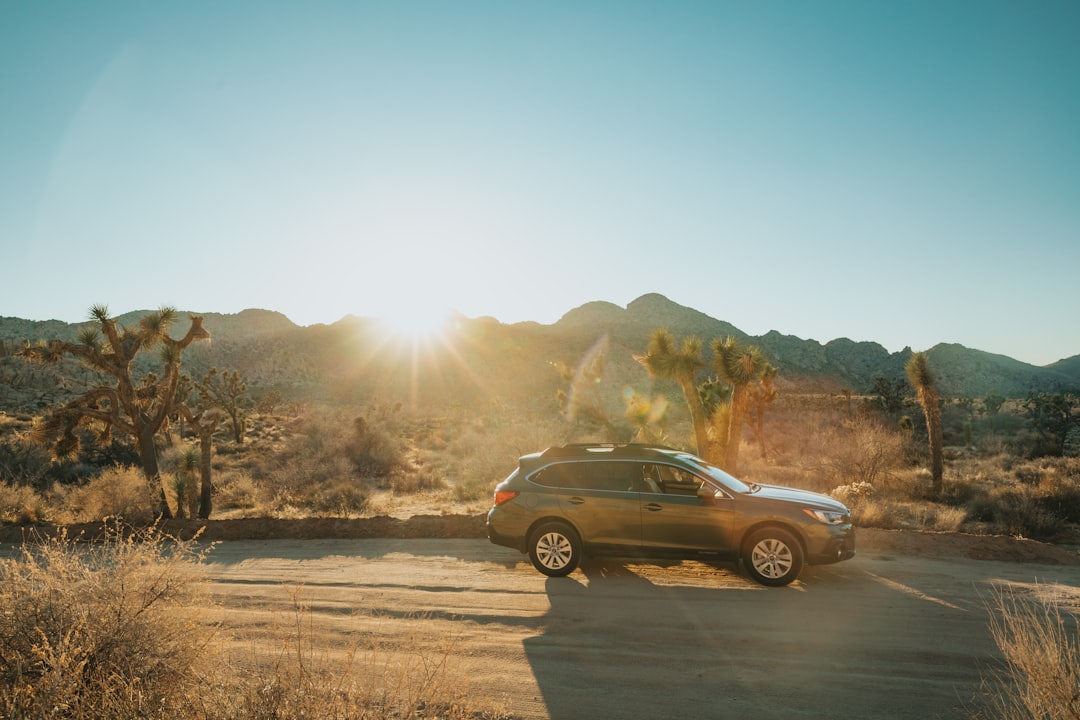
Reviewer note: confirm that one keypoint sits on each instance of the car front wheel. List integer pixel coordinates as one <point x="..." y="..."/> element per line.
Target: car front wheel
<point x="773" y="557"/>
<point x="555" y="549"/>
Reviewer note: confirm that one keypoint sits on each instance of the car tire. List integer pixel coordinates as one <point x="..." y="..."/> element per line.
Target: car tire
<point x="773" y="556"/>
<point x="555" y="549"/>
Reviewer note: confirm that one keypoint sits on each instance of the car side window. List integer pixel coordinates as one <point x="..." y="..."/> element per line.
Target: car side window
<point x="600" y="475"/>
<point x="677" y="481"/>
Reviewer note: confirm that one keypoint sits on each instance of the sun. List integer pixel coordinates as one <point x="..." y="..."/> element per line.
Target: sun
<point x="414" y="321"/>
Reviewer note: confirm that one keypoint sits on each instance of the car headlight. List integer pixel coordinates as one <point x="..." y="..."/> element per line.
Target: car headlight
<point x="829" y="517"/>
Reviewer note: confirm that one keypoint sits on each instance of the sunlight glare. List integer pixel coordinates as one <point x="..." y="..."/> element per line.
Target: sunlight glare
<point x="415" y="321"/>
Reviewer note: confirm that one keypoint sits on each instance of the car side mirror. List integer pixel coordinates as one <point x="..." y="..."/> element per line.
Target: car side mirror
<point x="707" y="494"/>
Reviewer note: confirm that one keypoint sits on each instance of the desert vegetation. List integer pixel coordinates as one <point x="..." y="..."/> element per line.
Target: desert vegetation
<point x="1039" y="642"/>
<point x="127" y="628"/>
<point x="991" y="465"/>
<point x="333" y="461"/>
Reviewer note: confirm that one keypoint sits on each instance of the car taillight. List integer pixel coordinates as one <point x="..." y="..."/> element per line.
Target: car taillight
<point x="502" y="496"/>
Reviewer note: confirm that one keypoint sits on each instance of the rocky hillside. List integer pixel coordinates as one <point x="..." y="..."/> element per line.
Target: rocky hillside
<point x="480" y="361"/>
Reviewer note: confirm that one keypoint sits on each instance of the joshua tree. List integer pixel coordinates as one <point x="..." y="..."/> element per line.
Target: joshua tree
<point x="918" y="372"/>
<point x="203" y="416"/>
<point x="663" y="360"/>
<point x="742" y="366"/>
<point x="761" y="396"/>
<point x="139" y="409"/>
<point x="226" y="390"/>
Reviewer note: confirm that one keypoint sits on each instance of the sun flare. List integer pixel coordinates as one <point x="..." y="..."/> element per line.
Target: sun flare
<point x="417" y="322"/>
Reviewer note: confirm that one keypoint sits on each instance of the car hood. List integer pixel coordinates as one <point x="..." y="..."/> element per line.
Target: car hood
<point x="802" y="497"/>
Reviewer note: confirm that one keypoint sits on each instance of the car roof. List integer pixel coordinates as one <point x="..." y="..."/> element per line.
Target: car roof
<point x="596" y="451"/>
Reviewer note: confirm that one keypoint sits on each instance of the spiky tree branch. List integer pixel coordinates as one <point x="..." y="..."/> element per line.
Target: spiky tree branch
<point x="663" y="360"/>
<point x="139" y="410"/>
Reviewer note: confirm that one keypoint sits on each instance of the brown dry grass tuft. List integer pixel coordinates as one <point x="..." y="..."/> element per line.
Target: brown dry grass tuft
<point x="125" y="628"/>
<point x="1041" y="647"/>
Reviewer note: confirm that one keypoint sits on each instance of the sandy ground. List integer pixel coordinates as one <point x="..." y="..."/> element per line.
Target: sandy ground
<point x="900" y="631"/>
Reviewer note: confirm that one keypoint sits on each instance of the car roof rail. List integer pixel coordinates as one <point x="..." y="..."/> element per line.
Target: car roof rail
<point x="577" y="449"/>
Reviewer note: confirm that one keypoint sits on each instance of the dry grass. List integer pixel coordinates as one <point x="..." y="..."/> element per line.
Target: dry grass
<point x="1041" y="647"/>
<point x="109" y="630"/>
<point x="117" y="492"/>
<point x="290" y="671"/>
<point x="380" y="459"/>
<point x="125" y="629"/>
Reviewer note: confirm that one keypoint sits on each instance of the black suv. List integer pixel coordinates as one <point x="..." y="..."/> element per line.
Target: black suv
<point x="645" y="500"/>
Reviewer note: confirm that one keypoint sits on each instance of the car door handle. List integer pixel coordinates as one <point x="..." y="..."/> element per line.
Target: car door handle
<point x="576" y="501"/>
<point x="654" y="507"/>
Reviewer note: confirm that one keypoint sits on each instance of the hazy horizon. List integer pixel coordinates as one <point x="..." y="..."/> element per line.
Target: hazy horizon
<point x="114" y="312"/>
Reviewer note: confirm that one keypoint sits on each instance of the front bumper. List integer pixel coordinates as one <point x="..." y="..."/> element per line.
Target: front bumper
<point x="836" y="548"/>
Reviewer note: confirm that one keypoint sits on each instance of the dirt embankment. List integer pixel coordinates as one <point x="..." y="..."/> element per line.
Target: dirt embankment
<point x="899" y="542"/>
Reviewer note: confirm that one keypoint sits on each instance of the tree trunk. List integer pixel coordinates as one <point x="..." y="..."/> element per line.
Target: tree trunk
<point x="148" y="458"/>
<point x="734" y="438"/>
<point x="206" y="439"/>
<point x="932" y="409"/>
<point x="697" y="415"/>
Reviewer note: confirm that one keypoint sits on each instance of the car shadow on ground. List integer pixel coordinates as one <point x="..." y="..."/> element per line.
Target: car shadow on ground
<point x="644" y="641"/>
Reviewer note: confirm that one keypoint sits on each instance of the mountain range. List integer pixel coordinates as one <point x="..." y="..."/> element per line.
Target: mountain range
<point x="480" y="360"/>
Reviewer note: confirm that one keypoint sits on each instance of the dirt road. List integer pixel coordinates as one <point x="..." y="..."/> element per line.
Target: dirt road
<point x="885" y="635"/>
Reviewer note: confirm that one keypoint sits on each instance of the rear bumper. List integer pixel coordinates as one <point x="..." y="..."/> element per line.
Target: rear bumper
<point x="515" y="541"/>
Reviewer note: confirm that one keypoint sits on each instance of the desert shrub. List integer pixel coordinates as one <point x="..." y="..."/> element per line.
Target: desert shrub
<point x="108" y="630"/>
<point x="1020" y="511"/>
<point x="22" y="504"/>
<point x="897" y="514"/>
<point x="855" y="494"/>
<point x="375" y="446"/>
<point x="959" y="493"/>
<point x="235" y="491"/>
<point x="478" y="455"/>
<point x="1061" y="498"/>
<point x="342" y="498"/>
<point x="24" y="463"/>
<point x="118" y="492"/>
<point x="861" y="451"/>
<point x="1041" y="648"/>
<point x="1029" y="473"/>
<point x="413" y="481"/>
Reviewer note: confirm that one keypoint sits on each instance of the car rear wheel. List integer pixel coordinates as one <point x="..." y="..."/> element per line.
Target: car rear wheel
<point x="555" y="549"/>
<point x="773" y="556"/>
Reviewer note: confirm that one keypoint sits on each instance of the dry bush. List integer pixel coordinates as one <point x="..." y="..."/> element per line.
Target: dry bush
<point x="125" y="629"/>
<point x="21" y="504"/>
<point x="891" y="513"/>
<point x="1041" y="647"/>
<point x="1035" y="499"/>
<point x="474" y="457"/>
<point x="235" y="490"/>
<point x="375" y="445"/>
<point x="339" y="498"/>
<point x="106" y="630"/>
<point x="862" y="451"/>
<point x="118" y="492"/>
<point x="23" y="462"/>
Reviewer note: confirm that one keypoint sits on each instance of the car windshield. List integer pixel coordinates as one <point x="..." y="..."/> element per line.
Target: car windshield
<point x="720" y="477"/>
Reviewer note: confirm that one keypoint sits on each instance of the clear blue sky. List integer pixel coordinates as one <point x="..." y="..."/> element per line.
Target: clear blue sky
<point x="901" y="172"/>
